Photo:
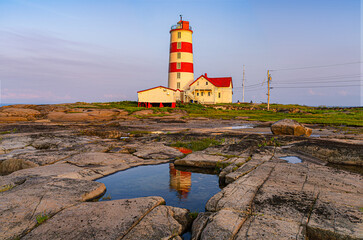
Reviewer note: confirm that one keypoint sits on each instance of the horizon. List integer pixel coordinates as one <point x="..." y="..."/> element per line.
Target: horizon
<point x="69" y="51"/>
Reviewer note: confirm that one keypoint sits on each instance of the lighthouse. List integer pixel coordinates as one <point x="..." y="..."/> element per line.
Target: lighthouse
<point x="181" y="84"/>
<point x="181" y="72"/>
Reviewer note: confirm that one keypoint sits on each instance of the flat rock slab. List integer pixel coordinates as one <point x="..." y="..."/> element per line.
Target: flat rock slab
<point x="200" y="160"/>
<point x="163" y="222"/>
<point x="102" y="164"/>
<point x="59" y="170"/>
<point x="33" y="196"/>
<point x="99" y="220"/>
<point x="157" y="151"/>
<point x="288" y="201"/>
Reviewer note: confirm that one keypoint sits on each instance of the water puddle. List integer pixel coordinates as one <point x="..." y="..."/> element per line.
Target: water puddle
<point x="180" y="188"/>
<point x="244" y="126"/>
<point x="315" y="135"/>
<point x="292" y="159"/>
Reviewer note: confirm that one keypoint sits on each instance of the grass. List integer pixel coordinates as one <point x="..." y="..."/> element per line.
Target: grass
<point x="108" y="197"/>
<point x="331" y="116"/>
<point x="11" y="131"/>
<point x="198" y="144"/>
<point x="42" y="218"/>
<point x="220" y="165"/>
<point x="272" y="142"/>
<point x="193" y="215"/>
<point x="6" y="188"/>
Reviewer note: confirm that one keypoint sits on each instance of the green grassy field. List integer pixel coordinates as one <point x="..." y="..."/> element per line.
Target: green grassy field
<point x="251" y="112"/>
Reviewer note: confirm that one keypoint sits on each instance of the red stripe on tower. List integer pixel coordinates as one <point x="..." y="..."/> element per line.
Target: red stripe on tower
<point x="184" y="67"/>
<point x="183" y="47"/>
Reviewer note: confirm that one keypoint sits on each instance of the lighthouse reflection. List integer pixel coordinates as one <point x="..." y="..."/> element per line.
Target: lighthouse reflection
<point x="180" y="181"/>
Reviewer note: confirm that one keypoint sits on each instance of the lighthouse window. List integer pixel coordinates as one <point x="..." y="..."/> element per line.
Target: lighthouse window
<point x="179" y="55"/>
<point x="178" y="75"/>
<point x="179" y="34"/>
<point x="178" y="65"/>
<point x="178" y="85"/>
<point x="178" y="46"/>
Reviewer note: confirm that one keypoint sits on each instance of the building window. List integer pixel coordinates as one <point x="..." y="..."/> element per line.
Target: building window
<point x="178" y="75"/>
<point x="178" y="46"/>
<point x="178" y="85"/>
<point x="206" y="83"/>
<point x="179" y="55"/>
<point x="178" y="65"/>
<point x="208" y="94"/>
<point x="197" y="93"/>
<point x="219" y="95"/>
<point x="201" y="93"/>
<point x="198" y="83"/>
<point x="179" y="34"/>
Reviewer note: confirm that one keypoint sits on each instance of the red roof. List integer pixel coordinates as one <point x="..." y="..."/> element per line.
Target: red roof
<point x="218" y="82"/>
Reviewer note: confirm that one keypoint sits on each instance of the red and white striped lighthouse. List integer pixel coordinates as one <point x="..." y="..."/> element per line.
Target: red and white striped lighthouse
<point x="181" y="72"/>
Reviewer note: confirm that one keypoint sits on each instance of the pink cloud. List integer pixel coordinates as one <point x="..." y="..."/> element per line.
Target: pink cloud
<point x="31" y="95"/>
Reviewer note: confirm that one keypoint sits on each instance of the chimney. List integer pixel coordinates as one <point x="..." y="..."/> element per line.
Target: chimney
<point x="205" y="74"/>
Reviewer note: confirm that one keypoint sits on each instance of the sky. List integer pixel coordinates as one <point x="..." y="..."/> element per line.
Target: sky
<point x="93" y="51"/>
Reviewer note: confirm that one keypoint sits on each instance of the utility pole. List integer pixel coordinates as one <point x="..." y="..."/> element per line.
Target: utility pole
<point x="243" y="85"/>
<point x="268" y="89"/>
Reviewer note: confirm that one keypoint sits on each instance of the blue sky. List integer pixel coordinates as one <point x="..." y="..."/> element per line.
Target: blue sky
<point x="67" y="51"/>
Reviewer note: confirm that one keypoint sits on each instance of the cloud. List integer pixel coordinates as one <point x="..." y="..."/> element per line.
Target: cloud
<point x="343" y="93"/>
<point x="315" y="93"/>
<point x="29" y="95"/>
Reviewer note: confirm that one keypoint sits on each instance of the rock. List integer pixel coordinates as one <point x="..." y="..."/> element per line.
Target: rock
<point x="20" y="206"/>
<point x="68" y="117"/>
<point x="201" y="160"/>
<point x="143" y="112"/>
<point x="157" y="151"/>
<point x="280" y="200"/>
<point x="160" y="223"/>
<point x="290" y="127"/>
<point x="21" y="112"/>
<point x="98" y="220"/>
<point x="13" y="119"/>
<point x="331" y="151"/>
<point x="11" y="165"/>
<point x="15" y="142"/>
<point x="256" y="160"/>
<point x="224" y="224"/>
<point x="59" y="170"/>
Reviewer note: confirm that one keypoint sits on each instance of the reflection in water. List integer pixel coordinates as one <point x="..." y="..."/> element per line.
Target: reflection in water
<point x="184" y="189"/>
<point x="180" y="181"/>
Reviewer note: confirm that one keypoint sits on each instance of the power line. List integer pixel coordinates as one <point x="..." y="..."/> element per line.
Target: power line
<point x="323" y="78"/>
<point x="309" y="67"/>
<point x="310" y="82"/>
<point x="321" y="86"/>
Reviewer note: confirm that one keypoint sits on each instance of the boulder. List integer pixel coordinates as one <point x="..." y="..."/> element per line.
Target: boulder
<point x="290" y="127"/>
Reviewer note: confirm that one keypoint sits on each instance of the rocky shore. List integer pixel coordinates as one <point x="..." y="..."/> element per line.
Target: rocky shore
<point x="51" y="155"/>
